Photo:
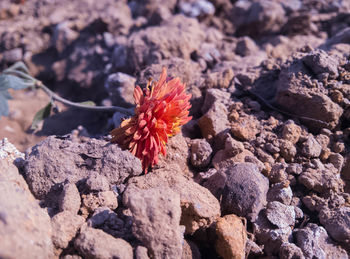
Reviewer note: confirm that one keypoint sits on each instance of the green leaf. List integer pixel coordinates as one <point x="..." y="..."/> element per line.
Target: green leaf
<point x="4" y="108"/>
<point x="14" y="82"/>
<point x="88" y="103"/>
<point x="41" y="115"/>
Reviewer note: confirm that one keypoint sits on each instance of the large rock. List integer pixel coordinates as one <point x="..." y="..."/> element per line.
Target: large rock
<point x="199" y="207"/>
<point x="25" y="228"/>
<point x="315" y="243"/>
<point x="156" y="219"/>
<point x="44" y="168"/>
<point x="337" y="224"/>
<point x="146" y="46"/>
<point x="65" y="226"/>
<point x="299" y="97"/>
<point x="94" y="243"/>
<point x="245" y="190"/>
<point x="232" y="237"/>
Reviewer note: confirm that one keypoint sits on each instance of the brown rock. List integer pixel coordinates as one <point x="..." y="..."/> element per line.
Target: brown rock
<point x="245" y="129"/>
<point x="69" y="199"/>
<point x="92" y="201"/>
<point x="291" y="132"/>
<point x="199" y="207"/>
<point x="25" y="227"/>
<point x="94" y="243"/>
<point x="65" y="226"/>
<point x="232" y="237"/>
<point x="214" y="121"/>
<point x="156" y="219"/>
<point x="44" y="168"/>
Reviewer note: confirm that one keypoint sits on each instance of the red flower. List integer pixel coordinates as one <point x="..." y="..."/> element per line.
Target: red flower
<point x="161" y="109"/>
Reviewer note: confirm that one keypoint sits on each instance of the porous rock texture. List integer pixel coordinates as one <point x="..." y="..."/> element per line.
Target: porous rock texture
<point x="261" y="170"/>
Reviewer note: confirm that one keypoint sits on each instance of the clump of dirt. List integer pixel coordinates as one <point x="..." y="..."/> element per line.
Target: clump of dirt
<point x="262" y="169"/>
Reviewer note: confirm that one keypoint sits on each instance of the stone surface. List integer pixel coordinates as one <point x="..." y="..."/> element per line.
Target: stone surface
<point x="44" y="169"/>
<point x="214" y="121"/>
<point x="278" y="192"/>
<point x="190" y="250"/>
<point x="311" y="148"/>
<point x="232" y="237"/>
<point x="199" y="207"/>
<point x="92" y="201"/>
<point x="200" y="153"/>
<point x="291" y="131"/>
<point x="320" y="62"/>
<point x="65" y="226"/>
<point x="69" y="199"/>
<point x="315" y="242"/>
<point x="245" y="190"/>
<point x="337" y="224"/>
<point x="280" y="215"/>
<point x="290" y="251"/>
<point x="120" y="87"/>
<point x="97" y="182"/>
<point x="25" y="228"/>
<point x="95" y="243"/>
<point x="156" y="219"/>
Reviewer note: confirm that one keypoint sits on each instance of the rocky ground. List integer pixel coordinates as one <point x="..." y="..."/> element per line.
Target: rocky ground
<point x="261" y="171"/>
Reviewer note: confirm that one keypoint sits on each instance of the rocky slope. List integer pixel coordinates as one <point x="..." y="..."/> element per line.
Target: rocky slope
<point x="261" y="171"/>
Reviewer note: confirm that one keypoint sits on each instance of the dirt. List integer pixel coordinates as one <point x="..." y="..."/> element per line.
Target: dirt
<point x="261" y="171"/>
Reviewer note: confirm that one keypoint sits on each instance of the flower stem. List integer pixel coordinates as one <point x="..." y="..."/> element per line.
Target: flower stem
<point x="58" y="98"/>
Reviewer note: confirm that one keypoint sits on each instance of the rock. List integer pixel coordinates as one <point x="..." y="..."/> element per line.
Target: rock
<point x="96" y="182"/>
<point x="301" y="98"/>
<point x="337" y="224"/>
<point x="246" y="46"/>
<point x="25" y="227"/>
<point x="94" y="243"/>
<point x="232" y="237"/>
<point x="245" y="129"/>
<point x="320" y="62"/>
<point x="278" y="173"/>
<point x="257" y="18"/>
<point x="337" y="160"/>
<point x="315" y="242"/>
<point x="291" y="131"/>
<point x="321" y="180"/>
<point x="12" y="56"/>
<point x="245" y="190"/>
<point x="268" y="235"/>
<point x="146" y="47"/>
<point x="9" y="152"/>
<point x="311" y="148"/>
<point x="280" y="192"/>
<point x="197" y="8"/>
<point x="190" y="250"/>
<point x="120" y="88"/>
<point x="177" y="156"/>
<point x="92" y="201"/>
<point x="100" y="215"/>
<point x="141" y="253"/>
<point x="64" y="228"/>
<point x="214" y="121"/>
<point x="290" y="251"/>
<point x="200" y="153"/>
<point x="214" y="95"/>
<point x="280" y="215"/>
<point x="287" y="150"/>
<point x="199" y="207"/>
<point x="69" y="200"/>
<point x="216" y="183"/>
<point x="156" y="219"/>
<point x="44" y="169"/>
<point x="63" y="35"/>
<point x="233" y="147"/>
